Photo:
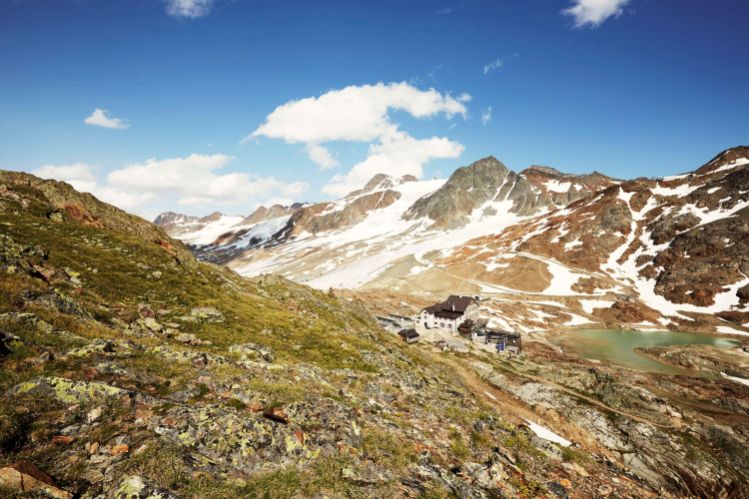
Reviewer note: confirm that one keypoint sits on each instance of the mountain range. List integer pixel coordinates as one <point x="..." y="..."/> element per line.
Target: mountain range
<point x="132" y="369"/>
<point x="573" y="249"/>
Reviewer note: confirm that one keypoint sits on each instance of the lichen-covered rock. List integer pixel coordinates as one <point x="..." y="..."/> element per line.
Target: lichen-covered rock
<point x="136" y="487"/>
<point x="69" y="391"/>
<point x="111" y="348"/>
<point x="208" y="314"/>
<point x="252" y="351"/>
<point x="196" y="358"/>
<point x="250" y="442"/>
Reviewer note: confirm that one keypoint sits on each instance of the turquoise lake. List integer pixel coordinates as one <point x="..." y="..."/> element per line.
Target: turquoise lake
<point x="618" y="346"/>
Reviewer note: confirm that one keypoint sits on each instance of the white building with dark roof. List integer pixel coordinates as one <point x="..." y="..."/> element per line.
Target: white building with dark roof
<point x="450" y="314"/>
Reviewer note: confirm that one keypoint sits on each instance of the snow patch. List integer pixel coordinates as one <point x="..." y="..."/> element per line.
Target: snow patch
<point x="590" y="305"/>
<point x="547" y="434"/>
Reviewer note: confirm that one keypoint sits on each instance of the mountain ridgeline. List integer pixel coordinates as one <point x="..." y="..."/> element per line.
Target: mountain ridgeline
<point x="651" y="252"/>
<point x="131" y="369"/>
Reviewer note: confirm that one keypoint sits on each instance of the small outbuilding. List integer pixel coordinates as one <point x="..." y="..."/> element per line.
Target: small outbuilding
<point x="409" y="335"/>
<point x="505" y="341"/>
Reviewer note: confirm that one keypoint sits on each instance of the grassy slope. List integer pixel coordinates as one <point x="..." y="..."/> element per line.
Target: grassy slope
<point x="102" y="266"/>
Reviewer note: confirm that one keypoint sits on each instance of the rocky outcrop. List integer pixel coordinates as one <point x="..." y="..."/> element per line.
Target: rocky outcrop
<point x="323" y="217"/>
<point x="264" y="213"/>
<point x="565" y="188"/>
<point x="470" y="188"/>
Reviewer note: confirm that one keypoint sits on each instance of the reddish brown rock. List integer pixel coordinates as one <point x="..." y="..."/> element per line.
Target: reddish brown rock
<point x="118" y="450"/>
<point x="25" y="477"/>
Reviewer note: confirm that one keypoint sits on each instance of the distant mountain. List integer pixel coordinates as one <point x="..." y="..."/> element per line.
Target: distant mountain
<point x="644" y="252"/>
<point x="486" y="185"/>
<point x="195" y="230"/>
<point x="564" y="188"/>
<point x="670" y="252"/>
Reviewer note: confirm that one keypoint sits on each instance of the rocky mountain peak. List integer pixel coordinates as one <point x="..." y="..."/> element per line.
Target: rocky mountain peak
<point x="470" y="187"/>
<point x="169" y="217"/>
<point x="381" y="181"/>
<point x="263" y="213"/>
<point x="736" y="155"/>
<point x="545" y="170"/>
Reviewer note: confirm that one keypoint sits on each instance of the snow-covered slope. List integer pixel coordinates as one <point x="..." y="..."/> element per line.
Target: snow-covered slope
<point x="652" y="253"/>
<point x="546" y="249"/>
<point x="395" y="228"/>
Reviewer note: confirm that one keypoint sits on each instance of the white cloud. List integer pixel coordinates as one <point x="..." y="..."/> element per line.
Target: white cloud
<point x="361" y="114"/>
<point x="99" y="118"/>
<point x="493" y="66"/>
<point x="486" y="116"/>
<point x="321" y="156"/>
<point x="79" y="175"/>
<point x="354" y="113"/>
<point x="396" y="154"/>
<point x="191" y="180"/>
<point x="194" y="180"/>
<point x="125" y="200"/>
<point x="594" y="12"/>
<point x="189" y="8"/>
<point x="444" y="12"/>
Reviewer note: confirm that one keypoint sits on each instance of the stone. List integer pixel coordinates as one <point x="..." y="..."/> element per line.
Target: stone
<point x="190" y="339"/>
<point x="136" y="487"/>
<point x="62" y="440"/>
<point x="209" y="314"/>
<point x="276" y="414"/>
<point x="25" y="477"/>
<point x="69" y="391"/>
<point x="250" y="351"/>
<point x="6" y="342"/>
<point x="94" y="414"/>
<point x="557" y="489"/>
<point x="120" y="449"/>
<point x="152" y="324"/>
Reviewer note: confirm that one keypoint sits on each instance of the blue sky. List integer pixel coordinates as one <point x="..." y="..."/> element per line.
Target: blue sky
<point x="629" y="88"/>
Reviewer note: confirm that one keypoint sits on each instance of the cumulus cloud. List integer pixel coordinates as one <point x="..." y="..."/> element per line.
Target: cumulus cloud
<point x="100" y="118"/>
<point x="188" y="8"/>
<point x="396" y="154"/>
<point x="361" y="114"/>
<point x="493" y="66"/>
<point x="195" y="181"/>
<point x="125" y="200"/>
<point x="354" y="113"/>
<point x="321" y="156"/>
<point x="79" y="175"/>
<point x="486" y="116"/>
<point x="594" y="12"/>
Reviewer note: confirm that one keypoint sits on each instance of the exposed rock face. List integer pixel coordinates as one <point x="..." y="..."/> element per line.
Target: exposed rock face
<point x="321" y="217"/>
<point x="266" y="213"/>
<point x="564" y="188"/>
<point x="177" y="224"/>
<point x="471" y="187"/>
<point x="380" y="182"/>
<point x="680" y="243"/>
<point x="26" y="478"/>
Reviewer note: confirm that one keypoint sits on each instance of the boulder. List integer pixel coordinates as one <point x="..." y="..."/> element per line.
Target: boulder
<point x="24" y="477"/>
<point x="252" y="351"/>
<point x="136" y="487"/>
